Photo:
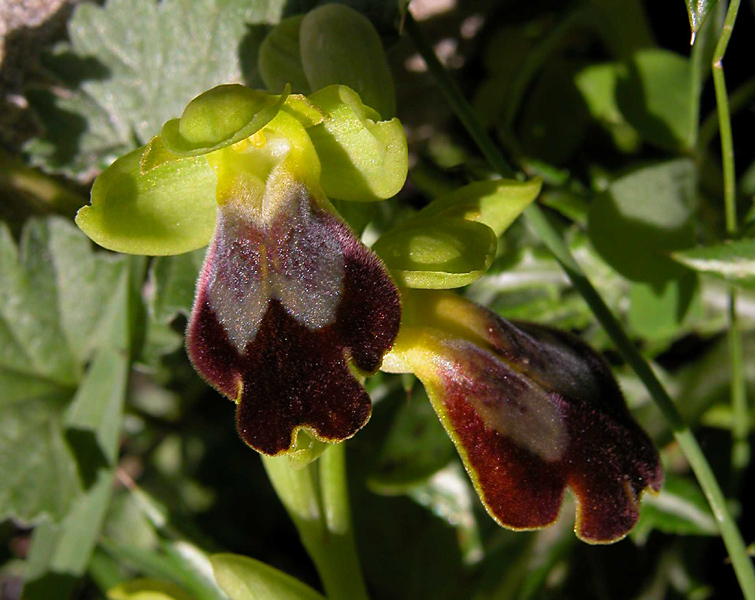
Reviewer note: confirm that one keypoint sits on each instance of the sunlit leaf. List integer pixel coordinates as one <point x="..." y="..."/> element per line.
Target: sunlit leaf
<point x="148" y="589"/>
<point x="698" y="10"/>
<point x="56" y="298"/>
<point x="244" y="578"/>
<point x="643" y="217"/>
<point x="732" y="261"/>
<point x="655" y="95"/>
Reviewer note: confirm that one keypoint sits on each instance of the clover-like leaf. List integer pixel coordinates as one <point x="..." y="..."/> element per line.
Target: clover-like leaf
<point x="363" y="158"/>
<point x="280" y="58"/>
<point x="330" y="45"/>
<point x="532" y="411"/>
<point x="643" y="216"/>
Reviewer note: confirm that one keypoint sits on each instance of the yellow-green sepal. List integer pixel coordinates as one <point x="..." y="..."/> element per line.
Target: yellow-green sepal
<point x="437" y="253"/>
<point x="496" y="202"/>
<point x="220" y="117"/>
<point x="170" y="209"/>
<point x="363" y="158"/>
<point x="300" y="107"/>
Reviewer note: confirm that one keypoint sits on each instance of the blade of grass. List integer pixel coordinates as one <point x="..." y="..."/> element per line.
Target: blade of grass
<point x="549" y="235"/>
<point x="741" y="428"/>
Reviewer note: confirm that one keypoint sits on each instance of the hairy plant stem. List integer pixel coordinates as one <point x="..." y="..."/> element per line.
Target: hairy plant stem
<point x="740" y="429"/>
<point x="316" y="498"/>
<point x="551" y="238"/>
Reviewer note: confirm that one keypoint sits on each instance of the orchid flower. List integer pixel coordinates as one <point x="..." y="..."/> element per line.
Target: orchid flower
<point x="290" y="307"/>
<point x="531" y="411"/>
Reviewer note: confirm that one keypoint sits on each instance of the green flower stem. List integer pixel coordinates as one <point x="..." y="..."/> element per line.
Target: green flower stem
<point x="316" y="498"/>
<point x="550" y="237"/>
<point x="740" y="429"/>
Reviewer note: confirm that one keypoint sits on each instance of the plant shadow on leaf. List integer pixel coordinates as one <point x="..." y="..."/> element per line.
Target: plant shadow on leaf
<point x="650" y="94"/>
<point x="63" y="139"/>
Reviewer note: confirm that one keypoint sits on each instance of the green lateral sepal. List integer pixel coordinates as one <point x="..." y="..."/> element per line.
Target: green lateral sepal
<point x="496" y="202"/>
<point x="437" y="253"/>
<point x="170" y="209"/>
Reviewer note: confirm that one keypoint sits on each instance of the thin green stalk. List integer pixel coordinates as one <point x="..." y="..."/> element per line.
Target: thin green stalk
<point x="739" y="99"/>
<point x="740" y="430"/>
<point x="316" y="498"/>
<point x="743" y="566"/>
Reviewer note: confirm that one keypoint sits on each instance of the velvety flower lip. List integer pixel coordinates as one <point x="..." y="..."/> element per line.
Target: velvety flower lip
<point x="532" y="411"/>
<point x="285" y="308"/>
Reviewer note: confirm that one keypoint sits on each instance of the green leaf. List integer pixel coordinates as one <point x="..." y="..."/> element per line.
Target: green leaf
<point x="437" y="253"/>
<point x="679" y="509"/>
<point x="280" y="58"/>
<point x="339" y="46"/>
<point x="450" y="496"/>
<point x="659" y="312"/>
<point x="139" y="76"/>
<point x="731" y="261"/>
<point x="362" y="157"/>
<point x="698" y="10"/>
<point x="415" y="448"/>
<point x="597" y="84"/>
<point x="60" y="552"/>
<point x="244" y="578"/>
<point x="643" y="217"/>
<point x="656" y="98"/>
<point x="147" y="589"/>
<point x="174" y="279"/>
<point x="167" y="210"/>
<point x="56" y="298"/>
<point x="555" y="117"/>
<point x="496" y="202"/>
